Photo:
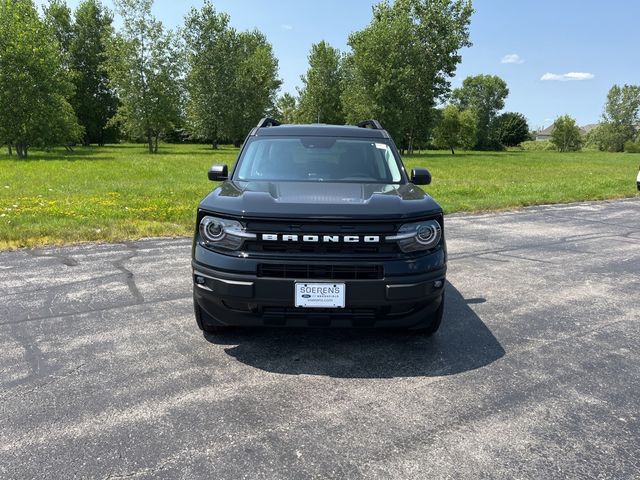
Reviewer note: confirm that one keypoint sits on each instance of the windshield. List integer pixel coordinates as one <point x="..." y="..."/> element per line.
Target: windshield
<point x="318" y="159"/>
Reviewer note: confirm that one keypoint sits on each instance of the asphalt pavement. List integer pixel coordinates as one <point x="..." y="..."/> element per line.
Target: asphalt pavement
<point x="535" y="372"/>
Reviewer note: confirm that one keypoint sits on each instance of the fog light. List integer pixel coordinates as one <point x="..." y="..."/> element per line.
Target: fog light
<point x="437" y="284"/>
<point x="200" y="280"/>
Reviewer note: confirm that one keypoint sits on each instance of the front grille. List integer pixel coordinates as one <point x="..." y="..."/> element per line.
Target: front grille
<point x="322" y="228"/>
<point x="315" y="248"/>
<point x="321" y="272"/>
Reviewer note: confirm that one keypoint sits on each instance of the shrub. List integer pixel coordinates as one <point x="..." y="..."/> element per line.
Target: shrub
<point x="537" y="146"/>
<point x="566" y="135"/>
<point x="455" y="128"/>
<point x="608" y="137"/>
<point x="632" y="147"/>
<point x="508" y="130"/>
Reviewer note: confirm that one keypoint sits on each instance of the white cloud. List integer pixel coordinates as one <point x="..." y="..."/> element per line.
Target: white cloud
<point x="512" y="58"/>
<point x="566" y="77"/>
<point x="286" y="26"/>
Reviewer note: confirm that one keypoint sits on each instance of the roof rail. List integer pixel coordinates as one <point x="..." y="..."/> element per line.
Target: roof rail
<point x="268" y="122"/>
<point x="375" y="124"/>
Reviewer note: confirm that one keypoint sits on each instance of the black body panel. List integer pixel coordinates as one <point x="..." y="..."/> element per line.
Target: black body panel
<point x="320" y="130"/>
<point x="249" y="300"/>
<point x="322" y="200"/>
<point x="254" y="284"/>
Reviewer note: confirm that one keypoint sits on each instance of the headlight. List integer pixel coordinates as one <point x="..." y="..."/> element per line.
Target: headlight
<point x="222" y="233"/>
<point x="414" y="237"/>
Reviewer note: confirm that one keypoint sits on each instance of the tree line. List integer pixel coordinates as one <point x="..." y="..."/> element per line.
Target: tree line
<point x="619" y="125"/>
<point x="617" y="131"/>
<point x="71" y="77"/>
<point x="398" y="71"/>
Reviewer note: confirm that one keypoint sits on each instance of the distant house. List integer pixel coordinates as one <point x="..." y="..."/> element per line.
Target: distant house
<point x="587" y="128"/>
<point x="546" y="133"/>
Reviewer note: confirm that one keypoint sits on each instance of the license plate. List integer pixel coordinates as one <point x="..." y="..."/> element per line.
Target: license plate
<point x="320" y="295"/>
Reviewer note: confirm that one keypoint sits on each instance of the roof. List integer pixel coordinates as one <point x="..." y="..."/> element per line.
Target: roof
<point x="319" y="130"/>
<point x="589" y="127"/>
<point x="546" y="131"/>
<point x="584" y="129"/>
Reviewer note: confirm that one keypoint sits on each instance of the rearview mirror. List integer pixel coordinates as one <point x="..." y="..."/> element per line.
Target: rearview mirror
<point x="420" y="176"/>
<point x="218" y="173"/>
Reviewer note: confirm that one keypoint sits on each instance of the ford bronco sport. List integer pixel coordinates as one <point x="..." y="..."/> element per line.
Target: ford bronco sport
<point x="319" y="226"/>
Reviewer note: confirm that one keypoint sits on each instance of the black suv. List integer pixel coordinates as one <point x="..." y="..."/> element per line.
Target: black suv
<point x="320" y="226"/>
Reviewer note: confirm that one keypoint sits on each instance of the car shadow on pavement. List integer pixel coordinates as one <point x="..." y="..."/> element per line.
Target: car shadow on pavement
<point x="463" y="343"/>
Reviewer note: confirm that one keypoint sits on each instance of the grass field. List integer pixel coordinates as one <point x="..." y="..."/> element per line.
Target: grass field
<point x="121" y="192"/>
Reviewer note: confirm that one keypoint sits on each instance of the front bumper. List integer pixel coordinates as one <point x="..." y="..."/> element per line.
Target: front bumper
<point x="245" y="299"/>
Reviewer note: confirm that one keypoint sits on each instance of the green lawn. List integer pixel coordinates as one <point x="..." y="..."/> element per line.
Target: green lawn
<point x="121" y="192"/>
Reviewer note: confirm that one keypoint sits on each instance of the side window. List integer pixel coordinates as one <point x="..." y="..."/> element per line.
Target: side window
<point x="246" y="163"/>
<point x="385" y="162"/>
<point x="392" y="165"/>
<point x="254" y="158"/>
<point x="379" y="162"/>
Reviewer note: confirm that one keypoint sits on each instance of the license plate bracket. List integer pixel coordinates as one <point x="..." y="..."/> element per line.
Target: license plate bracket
<point x="320" y="294"/>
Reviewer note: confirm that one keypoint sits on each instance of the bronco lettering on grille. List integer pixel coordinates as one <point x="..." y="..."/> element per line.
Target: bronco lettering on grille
<point x="277" y="237"/>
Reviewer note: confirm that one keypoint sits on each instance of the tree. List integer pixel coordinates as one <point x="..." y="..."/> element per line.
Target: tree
<point x="57" y="16"/>
<point x="94" y="101"/>
<point x="607" y="137"/>
<point x="231" y="79"/>
<point x="145" y="68"/>
<point x="401" y="63"/>
<point x="322" y="87"/>
<point x="632" y="147"/>
<point x="255" y="85"/>
<point x="566" y="134"/>
<point x="34" y="85"/>
<point x="455" y="129"/>
<point x="508" y="130"/>
<point x="486" y="95"/>
<point x="211" y="46"/>
<point x="620" y="119"/>
<point x="286" y="106"/>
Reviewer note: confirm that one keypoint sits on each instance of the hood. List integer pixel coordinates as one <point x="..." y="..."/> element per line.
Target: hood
<point x="319" y="200"/>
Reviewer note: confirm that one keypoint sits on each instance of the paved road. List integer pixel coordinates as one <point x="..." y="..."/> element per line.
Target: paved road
<point x="535" y="373"/>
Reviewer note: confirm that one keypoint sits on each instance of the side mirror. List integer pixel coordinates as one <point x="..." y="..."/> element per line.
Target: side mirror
<point x="218" y="173"/>
<point x="420" y="176"/>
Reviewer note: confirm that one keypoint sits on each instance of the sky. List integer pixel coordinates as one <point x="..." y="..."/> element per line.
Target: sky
<point x="557" y="56"/>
